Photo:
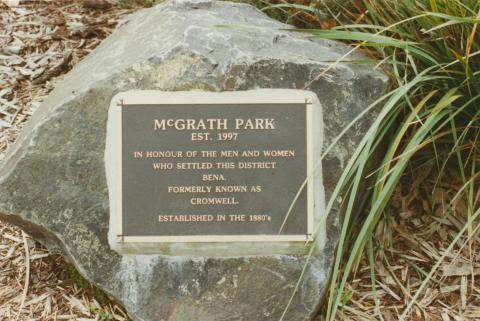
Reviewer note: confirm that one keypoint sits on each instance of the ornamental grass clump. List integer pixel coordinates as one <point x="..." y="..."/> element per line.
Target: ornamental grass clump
<point x="431" y="51"/>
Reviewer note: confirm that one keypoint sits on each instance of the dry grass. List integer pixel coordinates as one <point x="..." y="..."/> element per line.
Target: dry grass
<point x="40" y="41"/>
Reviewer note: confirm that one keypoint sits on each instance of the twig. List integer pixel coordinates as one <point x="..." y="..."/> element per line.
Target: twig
<point x="27" y="274"/>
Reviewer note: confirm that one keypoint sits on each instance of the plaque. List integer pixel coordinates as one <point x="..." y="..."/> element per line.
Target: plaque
<point x="211" y="167"/>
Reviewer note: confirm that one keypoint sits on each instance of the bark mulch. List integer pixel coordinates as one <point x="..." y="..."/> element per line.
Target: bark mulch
<point x="39" y="42"/>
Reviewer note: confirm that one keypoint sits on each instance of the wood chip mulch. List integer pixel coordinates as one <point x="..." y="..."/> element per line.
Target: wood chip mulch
<point x="38" y="285"/>
<point x="39" y="42"/>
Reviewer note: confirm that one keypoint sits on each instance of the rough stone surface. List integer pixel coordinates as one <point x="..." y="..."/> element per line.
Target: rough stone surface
<point x="52" y="181"/>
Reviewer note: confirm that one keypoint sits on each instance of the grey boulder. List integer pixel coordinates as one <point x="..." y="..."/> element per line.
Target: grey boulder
<point x="52" y="181"/>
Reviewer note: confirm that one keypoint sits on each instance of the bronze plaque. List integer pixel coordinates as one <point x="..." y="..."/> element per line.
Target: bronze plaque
<point x="207" y="172"/>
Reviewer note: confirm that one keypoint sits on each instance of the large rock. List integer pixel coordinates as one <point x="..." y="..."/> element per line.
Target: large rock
<point x="53" y="179"/>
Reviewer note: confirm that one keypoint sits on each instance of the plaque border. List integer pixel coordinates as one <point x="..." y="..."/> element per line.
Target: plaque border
<point x="133" y="98"/>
